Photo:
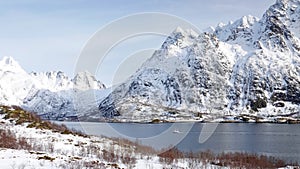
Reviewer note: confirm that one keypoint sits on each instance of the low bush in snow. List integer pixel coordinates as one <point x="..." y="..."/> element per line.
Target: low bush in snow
<point x="9" y="140"/>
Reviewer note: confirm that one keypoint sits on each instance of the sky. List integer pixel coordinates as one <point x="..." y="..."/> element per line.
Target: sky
<point x="50" y="35"/>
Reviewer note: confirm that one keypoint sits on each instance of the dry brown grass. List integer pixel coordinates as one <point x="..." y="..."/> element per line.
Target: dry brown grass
<point x="247" y="160"/>
<point x="136" y="145"/>
<point x="232" y="160"/>
<point x="21" y="116"/>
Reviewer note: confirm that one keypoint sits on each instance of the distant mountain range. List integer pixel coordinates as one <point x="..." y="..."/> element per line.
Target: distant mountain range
<point x="249" y="69"/>
<point x="50" y="94"/>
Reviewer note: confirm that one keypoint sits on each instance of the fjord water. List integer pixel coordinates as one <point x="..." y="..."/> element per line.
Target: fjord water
<point x="278" y="140"/>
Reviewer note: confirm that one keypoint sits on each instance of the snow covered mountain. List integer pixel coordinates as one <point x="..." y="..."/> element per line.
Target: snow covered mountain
<point x="50" y="94"/>
<point x="250" y="66"/>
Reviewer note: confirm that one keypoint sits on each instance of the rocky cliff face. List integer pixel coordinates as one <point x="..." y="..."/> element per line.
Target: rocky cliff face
<point x="250" y="66"/>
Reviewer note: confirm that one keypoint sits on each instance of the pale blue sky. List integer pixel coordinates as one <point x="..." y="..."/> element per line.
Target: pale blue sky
<point x="49" y="35"/>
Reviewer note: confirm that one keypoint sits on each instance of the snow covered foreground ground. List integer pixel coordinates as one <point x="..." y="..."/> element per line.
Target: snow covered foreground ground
<point x="27" y="143"/>
<point x="52" y="149"/>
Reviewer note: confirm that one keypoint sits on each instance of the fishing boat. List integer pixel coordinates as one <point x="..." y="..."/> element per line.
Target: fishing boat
<point x="176" y="131"/>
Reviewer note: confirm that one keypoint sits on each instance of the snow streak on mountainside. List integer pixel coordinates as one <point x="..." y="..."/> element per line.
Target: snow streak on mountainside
<point x="250" y="66"/>
<point x="51" y="94"/>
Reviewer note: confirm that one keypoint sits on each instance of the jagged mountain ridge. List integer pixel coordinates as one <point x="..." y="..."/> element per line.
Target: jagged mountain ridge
<point x="250" y="66"/>
<point x="50" y="94"/>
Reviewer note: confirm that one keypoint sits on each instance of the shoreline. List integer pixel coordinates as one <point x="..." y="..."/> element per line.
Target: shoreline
<point x="181" y="121"/>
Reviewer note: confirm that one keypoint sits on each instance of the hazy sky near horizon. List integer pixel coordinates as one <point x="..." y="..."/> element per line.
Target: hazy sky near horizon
<point x="49" y="35"/>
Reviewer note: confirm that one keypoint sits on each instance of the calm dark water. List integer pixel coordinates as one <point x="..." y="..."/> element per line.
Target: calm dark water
<point x="278" y="140"/>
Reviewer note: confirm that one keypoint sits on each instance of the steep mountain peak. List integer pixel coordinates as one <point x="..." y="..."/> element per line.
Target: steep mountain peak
<point x="248" y="20"/>
<point x="286" y="3"/>
<point x="280" y="26"/>
<point x="184" y="32"/>
<point x="85" y="80"/>
<point x="57" y="75"/>
<point x="244" y="22"/>
<point x="286" y="12"/>
<point x="179" y="35"/>
<point x="240" y="30"/>
<point x="282" y="2"/>
<point x="53" y="80"/>
<point x="8" y="60"/>
<point x="83" y="74"/>
<point x="179" y="39"/>
<point x="283" y="7"/>
<point x="221" y="24"/>
<point x="279" y="29"/>
<point x="178" y="30"/>
<point x="9" y="64"/>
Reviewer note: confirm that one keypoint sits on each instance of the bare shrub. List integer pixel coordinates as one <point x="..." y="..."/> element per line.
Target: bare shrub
<point x="23" y="144"/>
<point x="247" y="160"/>
<point x="171" y="155"/>
<point x="50" y="147"/>
<point x="9" y="140"/>
<point x="231" y="160"/>
<point x="206" y="156"/>
<point x="138" y="148"/>
<point x="109" y="156"/>
<point x="128" y="159"/>
<point x="92" y="149"/>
